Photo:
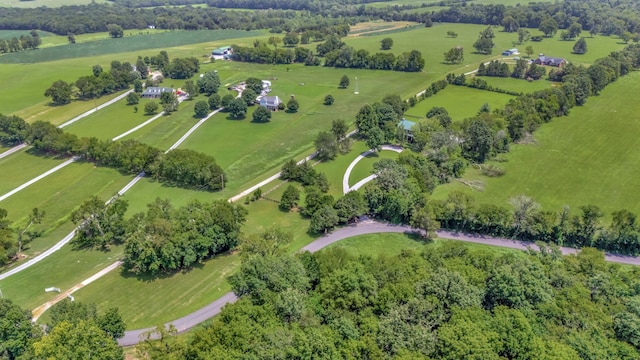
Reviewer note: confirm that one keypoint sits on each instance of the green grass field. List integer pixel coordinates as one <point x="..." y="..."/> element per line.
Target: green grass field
<point x="21" y="167"/>
<point x="588" y="157"/>
<point x="112" y="120"/>
<point x="461" y="102"/>
<point x="125" y="44"/>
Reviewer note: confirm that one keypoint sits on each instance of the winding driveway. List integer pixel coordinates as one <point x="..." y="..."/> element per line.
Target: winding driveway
<point x="345" y="178"/>
<point x="185" y="323"/>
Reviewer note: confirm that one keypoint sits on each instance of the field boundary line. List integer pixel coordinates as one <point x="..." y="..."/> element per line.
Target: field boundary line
<point x="99" y="107"/>
<point x="39" y="177"/>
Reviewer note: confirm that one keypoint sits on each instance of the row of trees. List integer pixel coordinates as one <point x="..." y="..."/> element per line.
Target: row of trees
<point x="120" y="76"/>
<point x="24" y="42"/>
<point x="596" y="16"/>
<point x="184" y="168"/>
<point x="336" y="54"/>
<point x="522" y="70"/>
<point x="163" y="239"/>
<point x="439" y="302"/>
<point x="76" y="330"/>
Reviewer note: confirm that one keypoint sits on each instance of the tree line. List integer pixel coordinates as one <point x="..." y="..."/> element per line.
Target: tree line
<point x="335" y="53"/>
<point x="182" y="167"/>
<point x="75" y="330"/>
<point x="598" y="17"/>
<point x="163" y="239"/>
<point x="444" y="301"/>
<point x="23" y="42"/>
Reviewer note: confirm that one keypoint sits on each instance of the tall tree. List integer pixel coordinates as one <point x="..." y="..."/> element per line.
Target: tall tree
<point x="81" y="340"/>
<point x="580" y="47"/>
<point x="60" y="92"/>
<point x="344" y="82"/>
<point x="238" y="108"/>
<point x="326" y="146"/>
<point x="549" y="27"/>
<point x="386" y="44"/>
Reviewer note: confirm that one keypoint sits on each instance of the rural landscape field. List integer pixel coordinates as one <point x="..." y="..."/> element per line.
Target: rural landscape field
<point x="401" y="179"/>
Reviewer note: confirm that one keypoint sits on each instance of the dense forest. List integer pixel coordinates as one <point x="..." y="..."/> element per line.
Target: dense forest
<point x="600" y="16"/>
<point x="444" y="302"/>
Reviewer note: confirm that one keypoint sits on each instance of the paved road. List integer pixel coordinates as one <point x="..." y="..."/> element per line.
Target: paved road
<point x="39" y="177"/>
<point x="345" y="178"/>
<point x="367" y="227"/>
<point x="12" y="150"/>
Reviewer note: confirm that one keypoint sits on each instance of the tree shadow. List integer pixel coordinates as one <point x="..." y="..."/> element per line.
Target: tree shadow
<point x="149" y="278"/>
<point x="229" y="117"/>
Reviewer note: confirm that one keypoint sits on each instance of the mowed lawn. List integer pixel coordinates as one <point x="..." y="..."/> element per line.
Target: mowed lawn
<point x="460" y="101"/>
<point x="20" y="167"/>
<point x="588" y="157"/>
<point x="111" y="121"/>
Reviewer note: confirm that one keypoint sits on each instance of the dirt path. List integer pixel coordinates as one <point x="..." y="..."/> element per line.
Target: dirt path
<point x="37" y="312"/>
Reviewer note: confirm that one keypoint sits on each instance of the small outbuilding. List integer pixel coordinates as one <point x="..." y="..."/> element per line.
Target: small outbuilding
<point x="270" y="102"/>
<point x="221" y="51"/>
<point x="153" y="92"/>
<point x="510" y="52"/>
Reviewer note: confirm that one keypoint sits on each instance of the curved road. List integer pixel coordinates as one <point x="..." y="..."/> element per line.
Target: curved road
<point x="345" y="178"/>
<point x="185" y="323"/>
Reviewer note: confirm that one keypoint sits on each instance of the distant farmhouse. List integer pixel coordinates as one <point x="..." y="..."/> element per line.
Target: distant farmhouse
<point x="153" y="92"/>
<point x="510" y="52"/>
<point x="550" y="61"/>
<point x="224" y="52"/>
<point x="270" y="102"/>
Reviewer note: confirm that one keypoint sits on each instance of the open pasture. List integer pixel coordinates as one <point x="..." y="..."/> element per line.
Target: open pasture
<point x="26" y="97"/>
<point x="124" y="44"/>
<point x="588" y="157"/>
<point x="112" y="120"/>
<point x="461" y="102"/>
<point x="245" y="149"/>
<point x="23" y="166"/>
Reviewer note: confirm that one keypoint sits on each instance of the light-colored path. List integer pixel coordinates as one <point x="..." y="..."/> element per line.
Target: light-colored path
<point x="38" y="178"/>
<point x="345" y="178"/>
<point x="101" y="106"/>
<point x="13" y="150"/>
<point x="70" y="236"/>
<point x="37" y="312"/>
<point x="185" y="323"/>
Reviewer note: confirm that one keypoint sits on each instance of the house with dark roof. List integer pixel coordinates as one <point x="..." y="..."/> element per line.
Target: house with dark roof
<point x="270" y="102"/>
<point x="550" y="61"/>
<point x="153" y="92"/>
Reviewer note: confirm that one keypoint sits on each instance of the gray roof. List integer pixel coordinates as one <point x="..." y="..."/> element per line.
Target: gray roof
<point x="549" y="59"/>
<point x="270" y="100"/>
<point x="157" y="90"/>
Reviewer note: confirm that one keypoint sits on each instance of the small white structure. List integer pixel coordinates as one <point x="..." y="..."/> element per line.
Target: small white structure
<point x="52" y="289"/>
<point x="270" y="102"/>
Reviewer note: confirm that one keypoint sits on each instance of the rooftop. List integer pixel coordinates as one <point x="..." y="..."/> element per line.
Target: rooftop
<point x="406" y="124"/>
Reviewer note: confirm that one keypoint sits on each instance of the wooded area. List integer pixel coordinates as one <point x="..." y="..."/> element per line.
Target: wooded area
<point x="445" y="302"/>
